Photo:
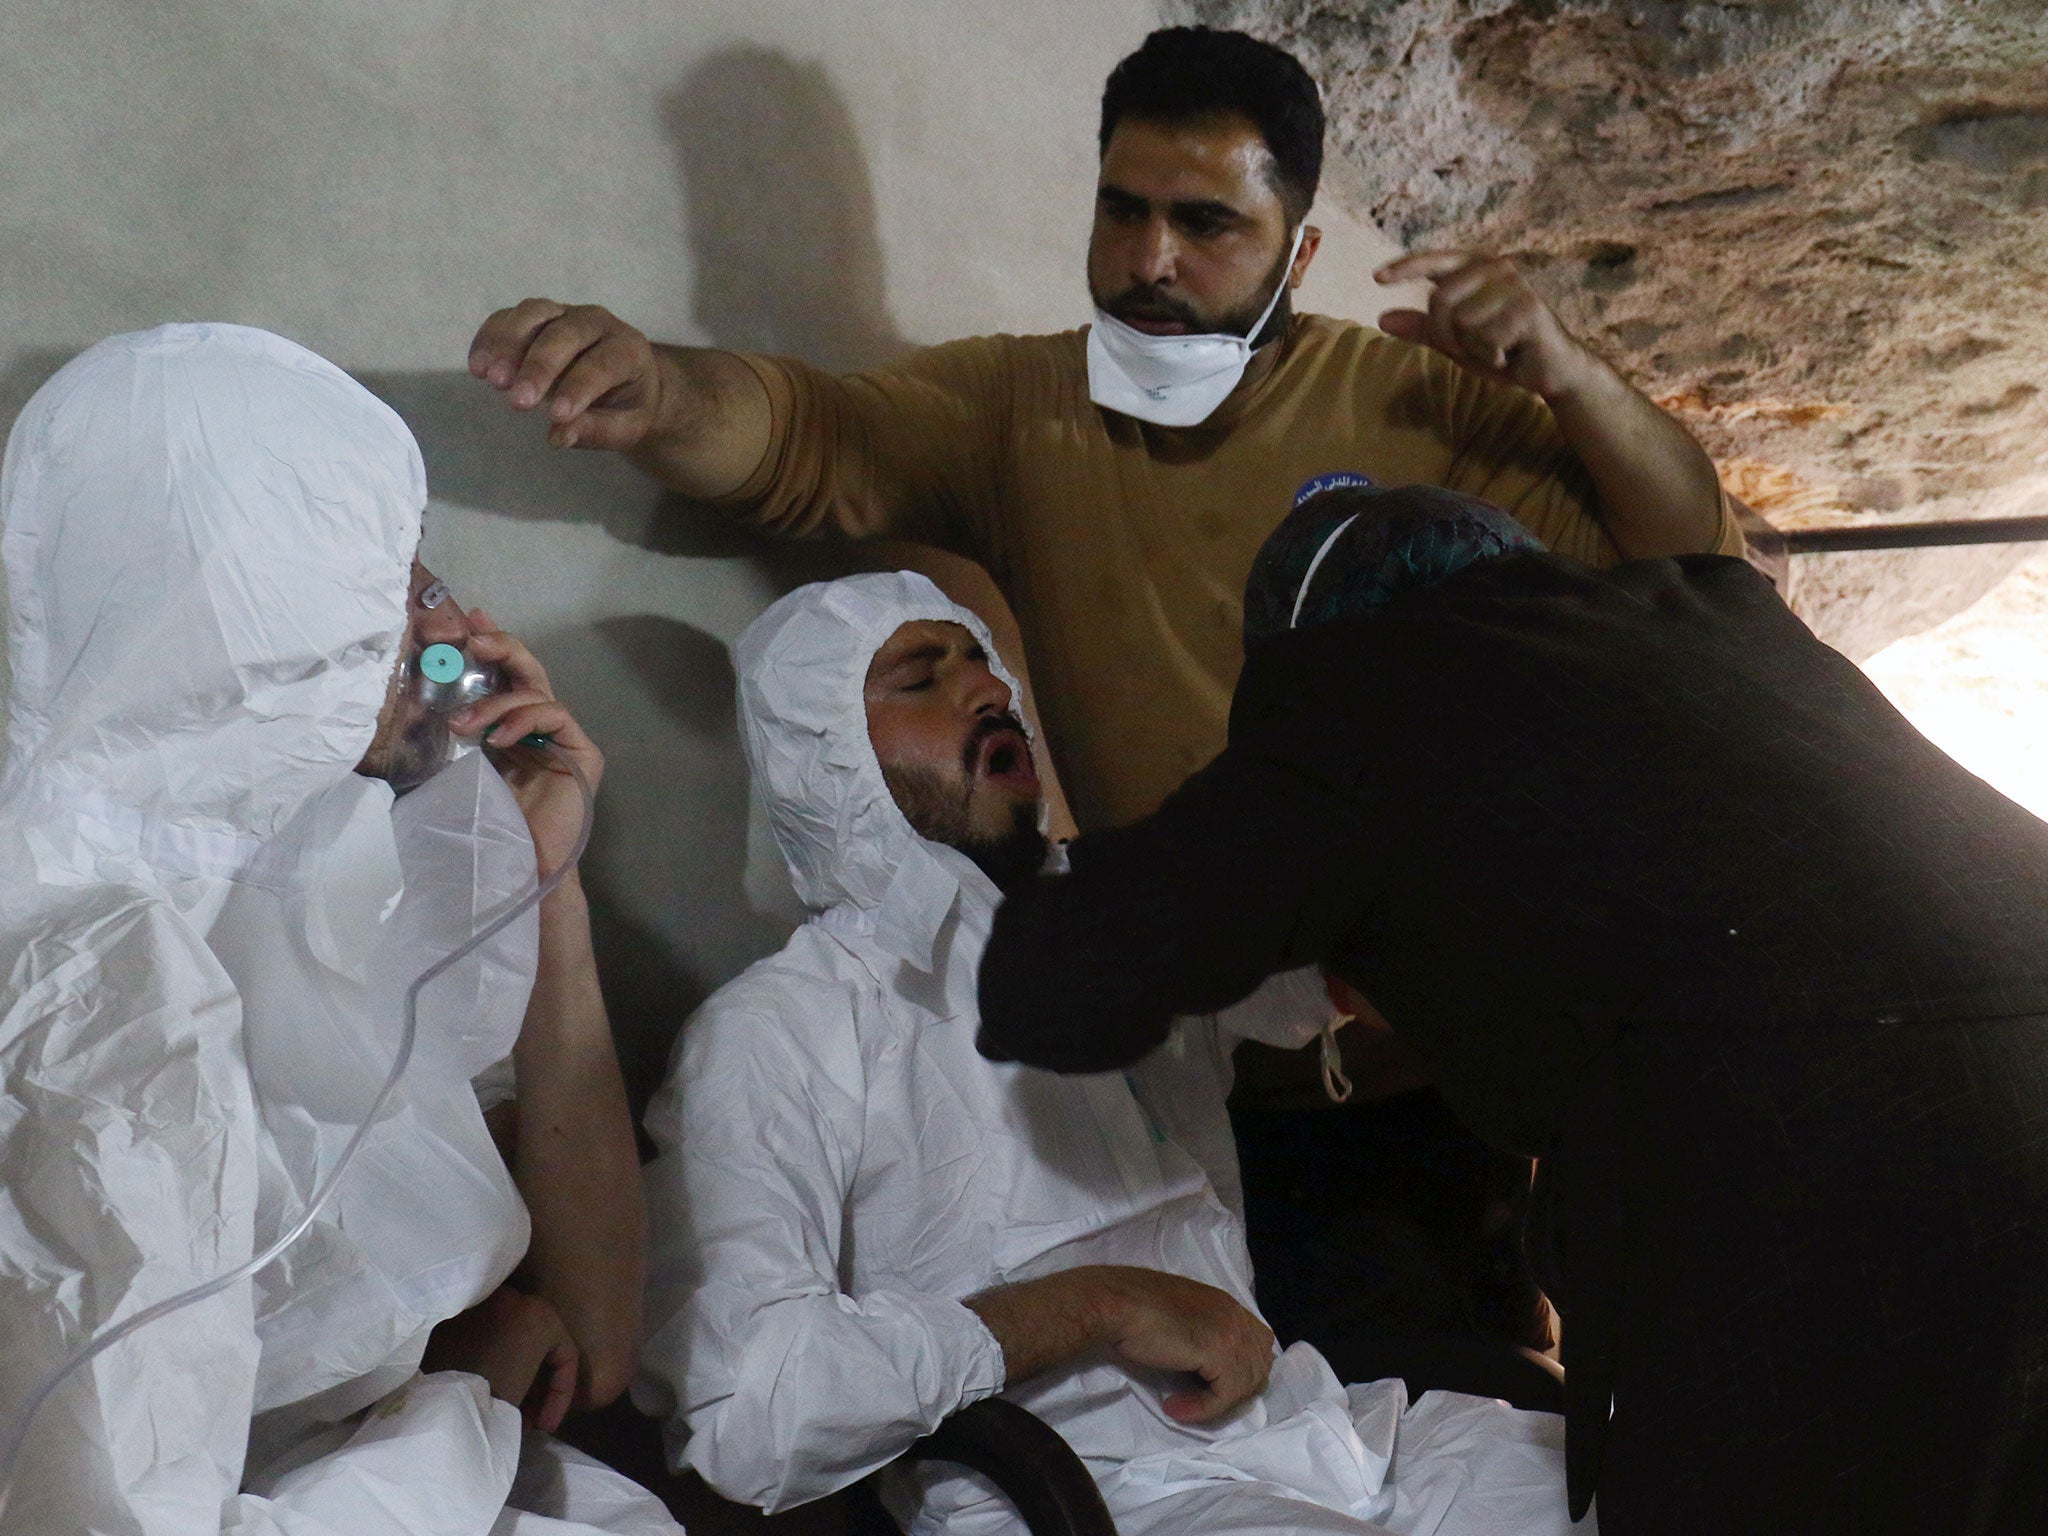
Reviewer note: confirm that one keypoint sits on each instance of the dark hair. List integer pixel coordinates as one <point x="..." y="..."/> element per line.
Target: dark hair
<point x="1189" y="72"/>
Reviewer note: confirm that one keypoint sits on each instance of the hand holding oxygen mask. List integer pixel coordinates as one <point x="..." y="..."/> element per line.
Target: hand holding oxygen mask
<point x="466" y="682"/>
<point x="536" y="744"/>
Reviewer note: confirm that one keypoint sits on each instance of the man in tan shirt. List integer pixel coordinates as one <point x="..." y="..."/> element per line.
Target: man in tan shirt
<point x="1122" y="544"/>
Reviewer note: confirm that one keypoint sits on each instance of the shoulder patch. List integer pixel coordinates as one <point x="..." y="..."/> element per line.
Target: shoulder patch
<point x="1336" y="480"/>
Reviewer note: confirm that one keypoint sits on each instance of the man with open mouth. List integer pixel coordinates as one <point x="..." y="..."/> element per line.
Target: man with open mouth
<point x="861" y="1225"/>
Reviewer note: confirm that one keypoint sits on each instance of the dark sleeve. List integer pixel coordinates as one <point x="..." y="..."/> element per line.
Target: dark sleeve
<point x="1242" y="872"/>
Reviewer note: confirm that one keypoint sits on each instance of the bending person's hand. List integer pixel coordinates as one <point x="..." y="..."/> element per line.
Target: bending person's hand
<point x="520" y="1346"/>
<point x="599" y="378"/>
<point x="527" y="706"/>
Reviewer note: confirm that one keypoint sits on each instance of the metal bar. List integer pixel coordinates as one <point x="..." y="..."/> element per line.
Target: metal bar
<point x="1989" y="530"/>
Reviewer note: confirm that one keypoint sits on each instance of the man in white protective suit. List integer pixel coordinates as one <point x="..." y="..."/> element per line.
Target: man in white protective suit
<point x="860" y="1225"/>
<point x="208" y="920"/>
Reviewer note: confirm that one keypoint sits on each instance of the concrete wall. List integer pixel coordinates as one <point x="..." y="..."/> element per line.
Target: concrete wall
<point x="839" y="179"/>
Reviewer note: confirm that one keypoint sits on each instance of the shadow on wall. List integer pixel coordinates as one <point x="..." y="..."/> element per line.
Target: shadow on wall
<point x="781" y="215"/>
<point x="660" y="862"/>
<point x="786" y="259"/>
<point x="480" y="453"/>
<point x="22" y="376"/>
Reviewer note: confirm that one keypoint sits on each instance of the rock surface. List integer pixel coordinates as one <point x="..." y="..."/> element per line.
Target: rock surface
<point x="1818" y="229"/>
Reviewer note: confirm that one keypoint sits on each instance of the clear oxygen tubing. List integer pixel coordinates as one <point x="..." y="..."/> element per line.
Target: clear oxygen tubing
<point x="17" y="1427"/>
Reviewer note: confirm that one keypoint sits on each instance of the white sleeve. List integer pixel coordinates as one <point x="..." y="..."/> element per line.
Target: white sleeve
<point x="789" y="1387"/>
<point x="129" y="1132"/>
<point x="1289" y="1009"/>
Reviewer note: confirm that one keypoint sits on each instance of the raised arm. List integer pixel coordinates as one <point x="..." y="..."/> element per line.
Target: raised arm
<point x="572" y="1150"/>
<point x="892" y="452"/>
<point x="1659" y="492"/>
<point x="695" y="419"/>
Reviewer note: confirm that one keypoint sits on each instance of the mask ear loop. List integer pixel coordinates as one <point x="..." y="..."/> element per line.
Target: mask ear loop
<point x="1336" y="1086"/>
<point x="1294" y="619"/>
<point x="1286" y="271"/>
<point x="16" y="1429"/>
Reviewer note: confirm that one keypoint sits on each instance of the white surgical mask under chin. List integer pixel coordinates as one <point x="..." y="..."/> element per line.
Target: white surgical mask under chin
<point x="1172" y="381"/>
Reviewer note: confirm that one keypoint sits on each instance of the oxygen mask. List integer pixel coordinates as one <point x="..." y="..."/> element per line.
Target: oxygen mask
<point x="439" y="682"/>
<point x="445" y="680"/>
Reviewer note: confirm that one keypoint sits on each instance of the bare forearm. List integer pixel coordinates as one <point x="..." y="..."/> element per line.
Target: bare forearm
<point x="575" y="1160"/>
<point x="1048" y="1321"/>
<point x="1145" y="1318"/>
<point x="1658" y="490"/>
<point x="711" y="424"/>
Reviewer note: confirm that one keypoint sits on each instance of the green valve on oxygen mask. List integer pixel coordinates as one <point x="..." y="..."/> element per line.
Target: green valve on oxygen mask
<point x="442" y="664"/>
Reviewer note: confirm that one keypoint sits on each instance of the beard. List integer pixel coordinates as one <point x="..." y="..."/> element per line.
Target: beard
<point x="942" y="808"/>
<point x="1014" y="857"/>
<point x="1235" y="322"/>
<point x="410" y="747"/>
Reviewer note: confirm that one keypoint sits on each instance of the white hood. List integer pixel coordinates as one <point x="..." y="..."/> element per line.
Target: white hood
<point x="208" y="534"/>
<point x="207" y="583"/>
<point x="852" y="855"/>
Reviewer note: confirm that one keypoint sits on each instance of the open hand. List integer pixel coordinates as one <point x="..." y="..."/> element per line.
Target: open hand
<point x="598" y="377"/>
<point x="1484" y="316"/>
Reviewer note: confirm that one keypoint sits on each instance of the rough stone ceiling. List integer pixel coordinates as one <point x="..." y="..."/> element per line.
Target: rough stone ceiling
<point x="1817" y="229"/>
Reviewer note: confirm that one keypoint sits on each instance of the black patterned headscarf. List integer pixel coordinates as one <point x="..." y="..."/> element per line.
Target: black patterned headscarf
<point x="1354" y="549"/>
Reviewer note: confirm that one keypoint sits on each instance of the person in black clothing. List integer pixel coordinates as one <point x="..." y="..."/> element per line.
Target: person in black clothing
<point x="1665" y="893"/>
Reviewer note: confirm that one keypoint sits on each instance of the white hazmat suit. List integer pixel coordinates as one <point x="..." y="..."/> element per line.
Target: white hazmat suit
<point x="839" y="1168"/>
<point x="207" y="922"/>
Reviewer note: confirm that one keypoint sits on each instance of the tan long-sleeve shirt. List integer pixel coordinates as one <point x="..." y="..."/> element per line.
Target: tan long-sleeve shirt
<point x="1123" y="548"/>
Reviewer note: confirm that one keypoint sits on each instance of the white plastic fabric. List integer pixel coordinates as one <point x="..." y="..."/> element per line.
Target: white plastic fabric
<point x="839" y="1167"/>
<point x="206" y="918"/>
